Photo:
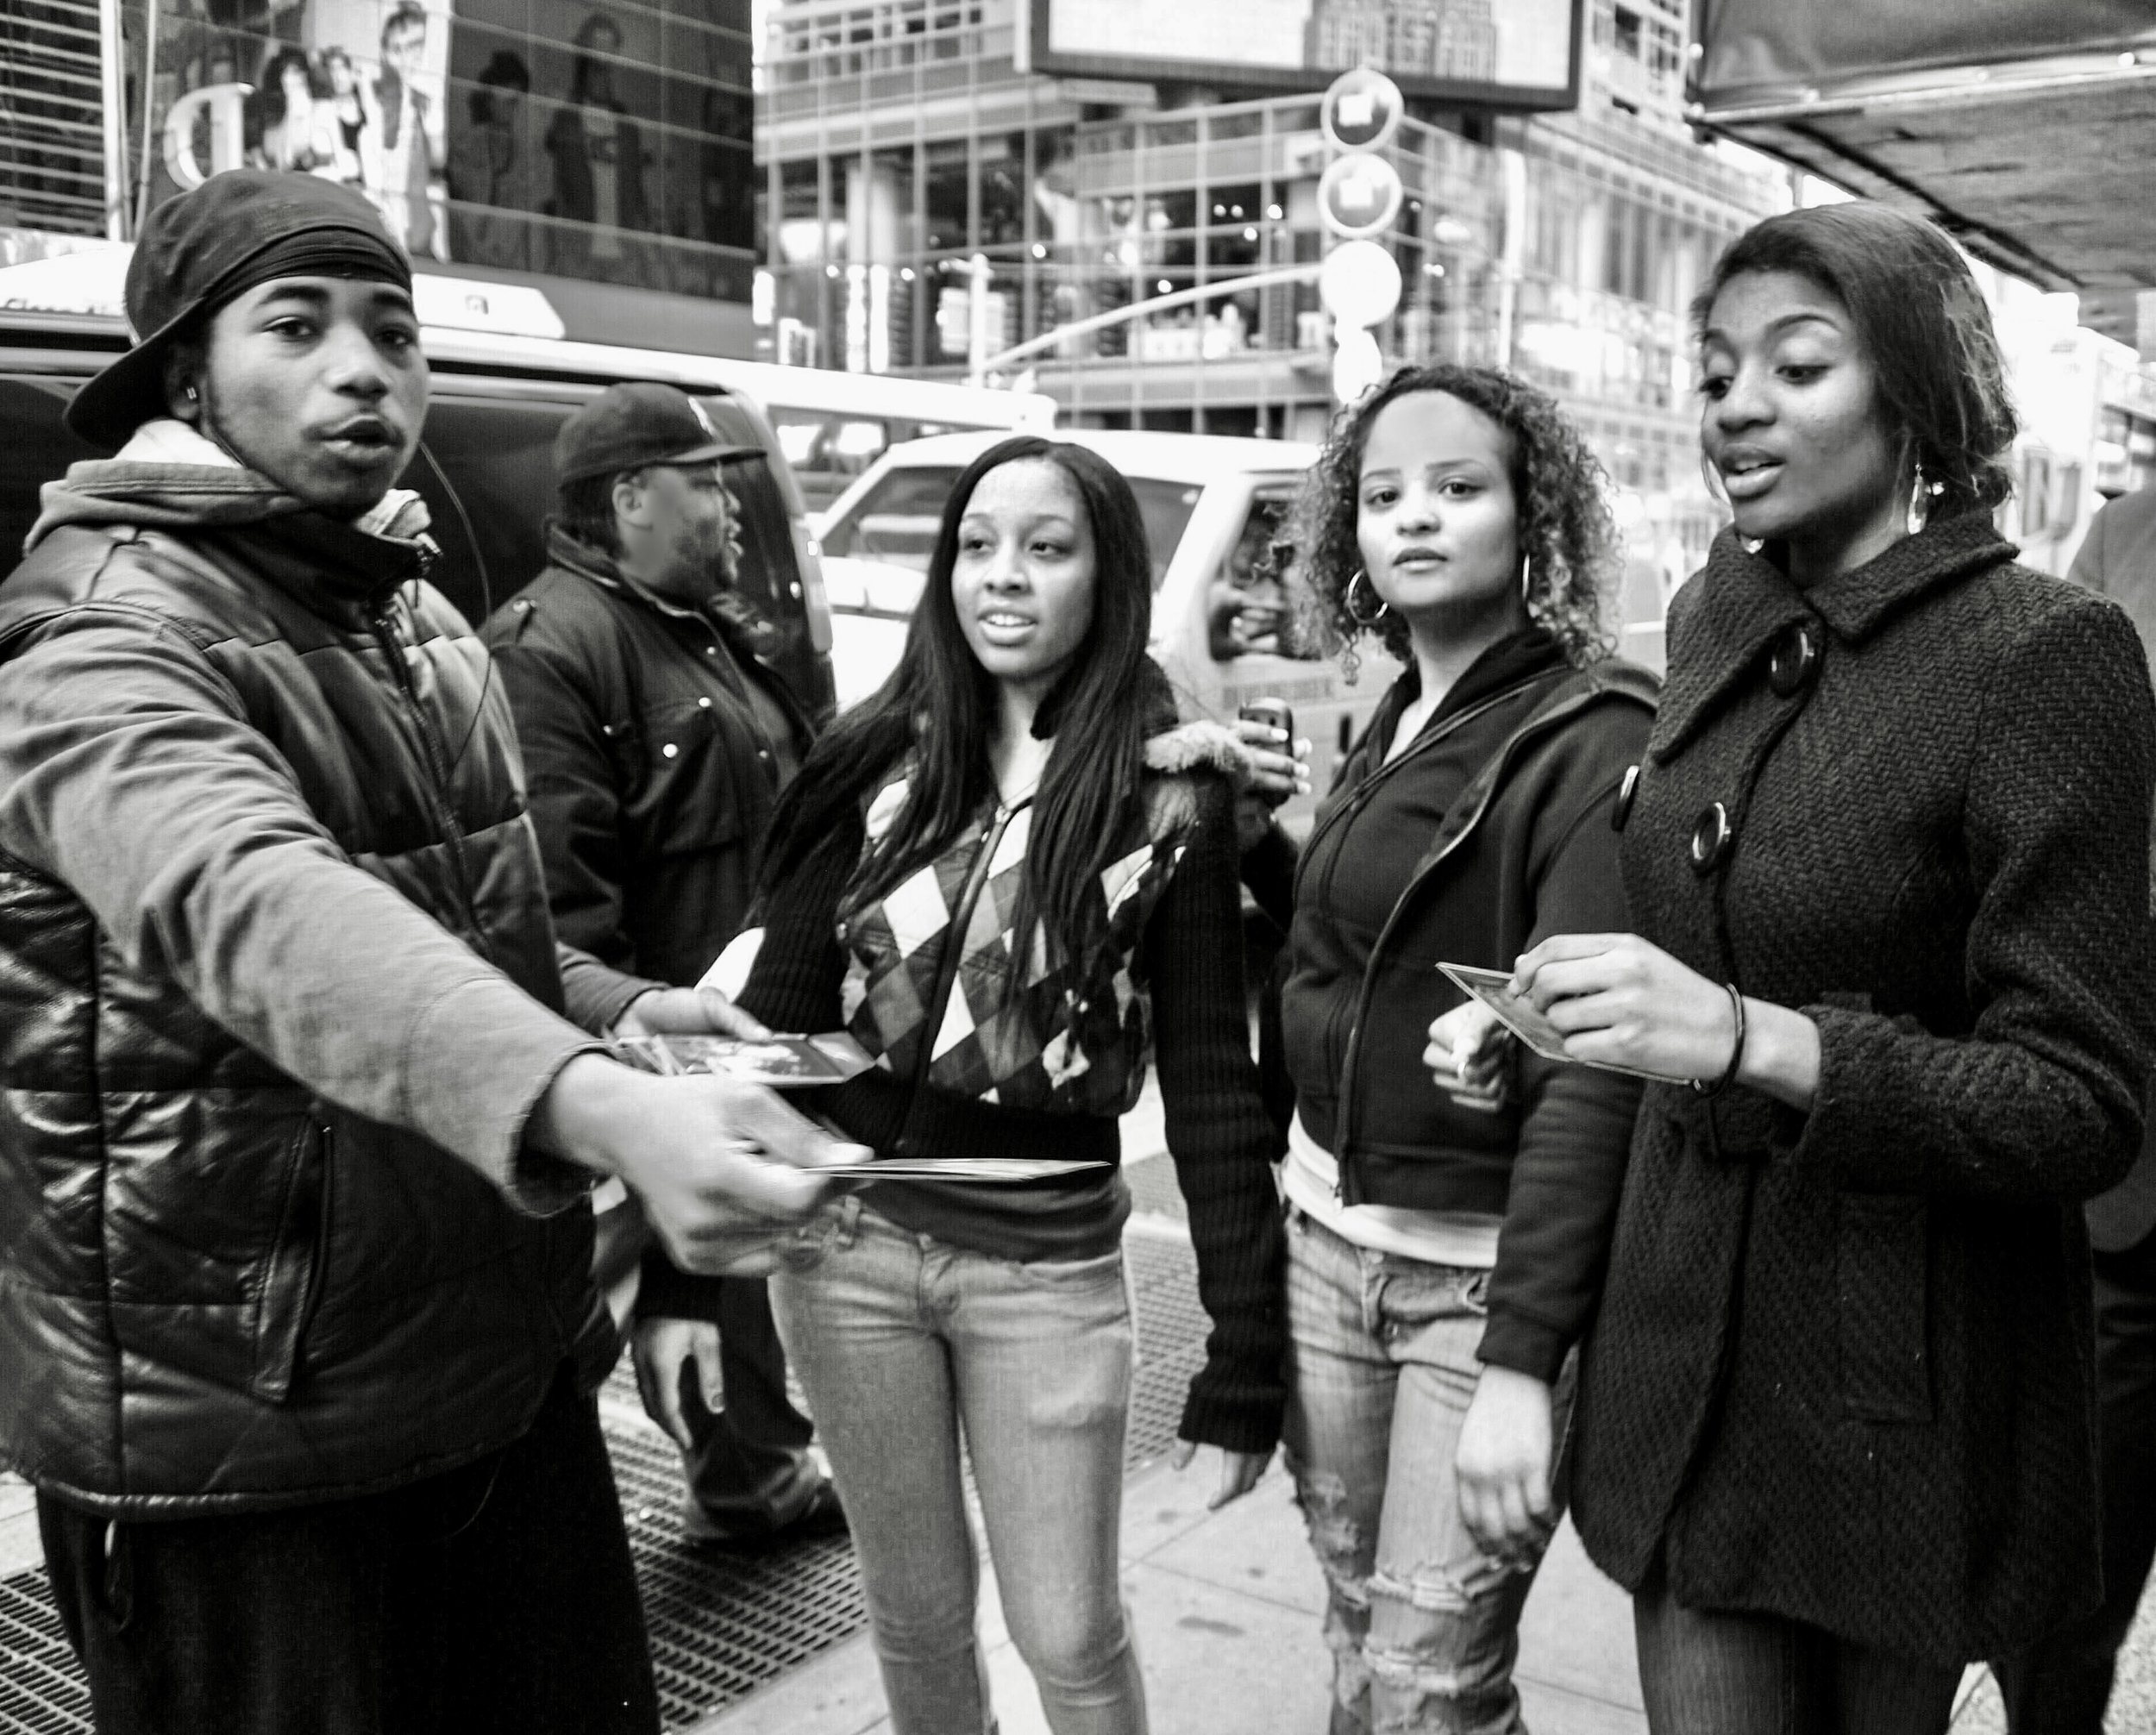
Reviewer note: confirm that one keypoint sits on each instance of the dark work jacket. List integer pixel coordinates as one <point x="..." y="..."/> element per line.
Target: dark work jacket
<point x="2117" y="558"/>
<point x="650" y="782"/>
<point x="1841" y="1368"/>
<point x="277" y="991"/>
<point x="1374" y="915"/>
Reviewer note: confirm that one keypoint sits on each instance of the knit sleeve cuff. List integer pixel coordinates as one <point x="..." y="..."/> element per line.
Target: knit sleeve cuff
<point x="1523" y="1344"/>
<point x="1236" y="1415"/>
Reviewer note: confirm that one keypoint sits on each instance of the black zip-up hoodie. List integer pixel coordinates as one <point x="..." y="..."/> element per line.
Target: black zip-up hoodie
<point x="1362" y="984"/>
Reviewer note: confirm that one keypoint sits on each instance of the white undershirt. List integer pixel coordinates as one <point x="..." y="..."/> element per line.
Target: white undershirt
<point x="1311" y="1179"/>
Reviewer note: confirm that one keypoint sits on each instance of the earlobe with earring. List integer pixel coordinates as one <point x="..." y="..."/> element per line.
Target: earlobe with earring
<point x="1921" y="494"/>
<point x="1361" y="617"/>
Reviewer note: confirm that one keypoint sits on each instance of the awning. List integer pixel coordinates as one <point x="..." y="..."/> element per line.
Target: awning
<point x="2025" y="128"/>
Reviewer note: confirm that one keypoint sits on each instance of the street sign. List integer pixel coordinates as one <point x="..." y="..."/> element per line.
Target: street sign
<point x="1358" y="195"/>
<point x="1359" y="284"/>
<point x="1361" y="110"/>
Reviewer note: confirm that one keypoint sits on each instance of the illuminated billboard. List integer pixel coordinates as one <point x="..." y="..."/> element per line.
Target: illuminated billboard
<point x="603" y="142"/>
<point x="1516" y="54"/>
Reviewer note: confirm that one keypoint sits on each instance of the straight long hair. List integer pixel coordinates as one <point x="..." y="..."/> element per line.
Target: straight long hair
<point x="939" y="707"/>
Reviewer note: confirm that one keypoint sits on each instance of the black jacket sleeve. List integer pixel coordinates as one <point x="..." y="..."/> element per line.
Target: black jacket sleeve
<point x="1221" y="1136"/>
<point x="1577" y="1130"/>
<point x="576" y="810"/>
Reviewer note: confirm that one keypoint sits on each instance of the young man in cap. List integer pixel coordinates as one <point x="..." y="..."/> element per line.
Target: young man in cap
<point x="657" y="736"/>
<point x="296" y="1323"/>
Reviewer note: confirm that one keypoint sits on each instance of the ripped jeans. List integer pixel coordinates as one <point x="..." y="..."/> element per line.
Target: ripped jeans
<point x="1423" y="1627"/>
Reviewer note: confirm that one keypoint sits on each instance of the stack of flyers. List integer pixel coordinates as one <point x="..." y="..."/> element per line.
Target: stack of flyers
<point x="783" y="1062"/>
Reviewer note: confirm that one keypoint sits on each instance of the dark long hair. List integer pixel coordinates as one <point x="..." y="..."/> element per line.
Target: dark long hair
<point x="1563" y="525"/>
<point x="940" y="706"/>
<point x="1924" y="327"/>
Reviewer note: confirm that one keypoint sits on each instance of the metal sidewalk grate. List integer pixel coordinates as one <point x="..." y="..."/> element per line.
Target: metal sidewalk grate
<point x="721" y="1624"/>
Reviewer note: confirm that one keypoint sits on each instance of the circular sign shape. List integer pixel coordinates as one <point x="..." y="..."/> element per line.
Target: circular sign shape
<point x="1356" y="366"/>
<point x="1359" y="283"/>
<point x="1358" y="195"/>
<point x="1361" y="110"/>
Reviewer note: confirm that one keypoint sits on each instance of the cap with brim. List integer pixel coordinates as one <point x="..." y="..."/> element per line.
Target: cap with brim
<point x="641" y="422"/>
<point x="200" y="251"/>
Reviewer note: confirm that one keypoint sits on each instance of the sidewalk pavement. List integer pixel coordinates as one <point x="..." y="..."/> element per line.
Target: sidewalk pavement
<point x="1225" y="1607"/>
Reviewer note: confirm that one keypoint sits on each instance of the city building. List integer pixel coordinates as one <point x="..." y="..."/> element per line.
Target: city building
<point x="909" y="167"/>
<point x="602" y="152"/>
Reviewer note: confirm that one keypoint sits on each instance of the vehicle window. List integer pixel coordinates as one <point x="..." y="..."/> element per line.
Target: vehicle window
<point x="35" y="448"/>
<point x="1166" y="507"/>
<point x="896" y="520"/>
<point x="496" y="461"/>
<point x="1246" y="604"/>
<point x="826" y="450"/>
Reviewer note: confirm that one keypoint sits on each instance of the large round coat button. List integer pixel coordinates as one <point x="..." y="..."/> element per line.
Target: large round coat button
<point x="1626" y="791"/>
<point x="1794" y="662"/>
<point x="1711" y="839"/>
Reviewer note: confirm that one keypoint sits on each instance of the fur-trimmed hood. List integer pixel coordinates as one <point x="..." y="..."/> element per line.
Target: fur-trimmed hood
<point x="1202" y="746"/>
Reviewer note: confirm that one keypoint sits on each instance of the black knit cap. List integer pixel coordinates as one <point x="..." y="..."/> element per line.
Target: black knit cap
<point x="234" y="233"/>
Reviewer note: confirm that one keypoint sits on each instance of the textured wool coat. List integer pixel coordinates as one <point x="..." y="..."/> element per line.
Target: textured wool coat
<point x="1841" y="1369"/>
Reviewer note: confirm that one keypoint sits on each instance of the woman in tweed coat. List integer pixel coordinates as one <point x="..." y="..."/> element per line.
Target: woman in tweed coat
<point x="1886" y="858"/>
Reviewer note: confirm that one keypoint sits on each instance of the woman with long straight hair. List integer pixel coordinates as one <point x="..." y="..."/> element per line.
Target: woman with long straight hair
<point x="1888" y="873"/>
<point x="1013" y="881"/>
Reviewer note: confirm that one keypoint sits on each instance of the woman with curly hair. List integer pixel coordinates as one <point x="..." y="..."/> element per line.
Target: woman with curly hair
<point x="1444" y="1244"/>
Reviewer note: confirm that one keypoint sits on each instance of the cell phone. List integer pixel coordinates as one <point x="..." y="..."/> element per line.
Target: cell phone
<point x="1275" y="713"/>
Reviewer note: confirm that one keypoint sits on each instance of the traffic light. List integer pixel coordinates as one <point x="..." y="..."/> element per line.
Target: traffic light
<point x="1358" y="197"/>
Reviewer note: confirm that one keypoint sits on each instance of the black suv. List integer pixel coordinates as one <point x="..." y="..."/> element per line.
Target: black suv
<point x="485" y="469"/>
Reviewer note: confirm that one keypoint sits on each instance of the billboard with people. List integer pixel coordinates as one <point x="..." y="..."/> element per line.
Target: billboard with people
<point x="553" y="136"/>
<point x="1518" y="55"/>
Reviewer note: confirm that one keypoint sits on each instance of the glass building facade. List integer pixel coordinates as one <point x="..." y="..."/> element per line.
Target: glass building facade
<point x="909" y="168"/>
<point x="600" y="144"/>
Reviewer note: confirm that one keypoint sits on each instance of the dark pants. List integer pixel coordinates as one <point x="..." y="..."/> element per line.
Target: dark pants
<point x="751" y="1472"/>
<point x="1703" y="1673"/>
<point x="2061" y="1687"/>
<point x="498" y="1597"/>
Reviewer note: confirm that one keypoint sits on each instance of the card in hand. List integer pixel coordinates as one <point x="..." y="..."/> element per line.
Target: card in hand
<point x="1524" y="1020"/>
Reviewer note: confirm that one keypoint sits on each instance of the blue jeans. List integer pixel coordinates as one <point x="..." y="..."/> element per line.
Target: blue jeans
<point x="900" y="1339"/>
<point x="1706" y="1673"/>
<point x="1423" y="1626"/>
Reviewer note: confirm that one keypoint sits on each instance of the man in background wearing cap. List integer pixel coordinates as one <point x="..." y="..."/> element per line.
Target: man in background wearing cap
<point x="657" y="736"/>
<point x="297" y="1322"/>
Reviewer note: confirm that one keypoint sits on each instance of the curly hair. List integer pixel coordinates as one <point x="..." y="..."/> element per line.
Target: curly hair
<point x="1565" y="530"/>
<point x="1923" y="324"/>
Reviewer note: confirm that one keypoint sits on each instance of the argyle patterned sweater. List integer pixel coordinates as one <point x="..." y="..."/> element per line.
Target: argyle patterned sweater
<point x="1028" y="1062"/>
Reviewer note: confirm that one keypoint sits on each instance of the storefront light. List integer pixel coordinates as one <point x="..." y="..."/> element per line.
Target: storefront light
<point x="1040" y="250"/>
<point x="1275" y="213"/>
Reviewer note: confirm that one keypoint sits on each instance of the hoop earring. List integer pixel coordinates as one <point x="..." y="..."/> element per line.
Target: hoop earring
<point x="1356" y="614"/>
<point x="1921" y="494"/>
<point x="1526" y="577"/>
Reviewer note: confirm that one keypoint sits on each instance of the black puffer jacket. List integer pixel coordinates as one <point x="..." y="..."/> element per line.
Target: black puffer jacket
<point x="274" y="956"/>
<point x="1841" y="1368"/>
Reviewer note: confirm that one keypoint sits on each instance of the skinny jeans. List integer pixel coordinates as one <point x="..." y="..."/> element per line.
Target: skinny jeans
<point x="905" y="1344"/>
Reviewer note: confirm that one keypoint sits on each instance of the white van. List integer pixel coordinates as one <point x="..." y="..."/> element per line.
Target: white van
<point x="1211" y="503"/>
